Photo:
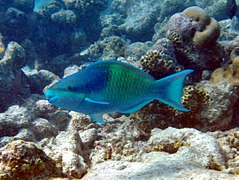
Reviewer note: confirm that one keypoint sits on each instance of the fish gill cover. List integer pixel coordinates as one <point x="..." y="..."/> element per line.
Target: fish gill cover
<point x="42" y="42"/>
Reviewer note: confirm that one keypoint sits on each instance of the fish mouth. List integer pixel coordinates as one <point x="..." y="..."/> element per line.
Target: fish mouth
<point x="51" y="98"/>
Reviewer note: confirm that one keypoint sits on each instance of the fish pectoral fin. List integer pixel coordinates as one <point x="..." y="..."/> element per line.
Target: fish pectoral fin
<point x="136" y="107"/>
<point x="97" y="102"/>
<point x="97" y="118"/>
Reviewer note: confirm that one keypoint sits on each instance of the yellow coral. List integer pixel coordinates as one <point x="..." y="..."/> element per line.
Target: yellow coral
<point x="230" y="73"/>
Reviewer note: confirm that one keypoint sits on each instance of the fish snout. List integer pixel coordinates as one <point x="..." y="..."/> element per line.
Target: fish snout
<point x="50" y="96"/>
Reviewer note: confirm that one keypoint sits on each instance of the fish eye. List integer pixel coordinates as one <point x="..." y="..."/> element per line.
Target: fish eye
<point x="68" y="88"/>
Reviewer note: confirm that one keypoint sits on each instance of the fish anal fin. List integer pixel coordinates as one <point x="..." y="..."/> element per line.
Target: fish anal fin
<point x="135" y="107"/>
<point x="97" y="118"/>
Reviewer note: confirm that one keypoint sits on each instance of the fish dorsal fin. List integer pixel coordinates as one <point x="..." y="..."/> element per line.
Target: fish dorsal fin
<point x="105" y="63"/>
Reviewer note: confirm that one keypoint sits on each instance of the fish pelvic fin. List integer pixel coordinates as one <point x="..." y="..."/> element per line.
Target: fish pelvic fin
<point x="97" y="118"/>
<point x="170" y="89"/>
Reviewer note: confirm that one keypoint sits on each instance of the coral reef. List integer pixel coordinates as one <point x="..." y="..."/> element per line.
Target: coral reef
<point x="39" y="46"/>
<point x="194" y="35"/>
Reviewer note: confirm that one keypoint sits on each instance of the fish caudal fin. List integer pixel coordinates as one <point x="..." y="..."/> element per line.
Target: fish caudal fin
<point x="170" y="89"/>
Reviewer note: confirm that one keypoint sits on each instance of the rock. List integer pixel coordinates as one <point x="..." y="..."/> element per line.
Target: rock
<point x="188" y="145"/>
<point x="229" y="141"/>
<point x="88" y="136"/>
<point x="136" y="50"/>
<point x="44" y="109"/>
<point x="40" y="79"/>
<point x="42" y="128"/>
<point x="14" y="119"/>
<point x="18" y="24"/>
<point x="23" y="160"/>
<point x="60" y="119"/>
<point x="26" y="135"/>
<point x="64" y="17"/>
<point x="141" y="17"/>
<point x="13" y="82"/>
<point x="66" y="148"/>
<point x="164" y="170"/>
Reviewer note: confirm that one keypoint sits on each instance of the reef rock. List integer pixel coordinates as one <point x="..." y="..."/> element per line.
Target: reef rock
<point x="169" y="153"/>
<point x="23" y="160"/>
<point x="14" y="119"/>
<point x="13" y="82"/>
<point x="188" y="145"/>
<point x="66" y="149"/>
<point x="17" y="19"/>
<point x="152" y="170"/>
<point x="229" y="142"/>
<point x="141" y="17"/>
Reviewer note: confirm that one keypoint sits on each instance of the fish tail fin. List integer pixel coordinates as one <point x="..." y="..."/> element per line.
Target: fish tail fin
<point x="169" y="89"/>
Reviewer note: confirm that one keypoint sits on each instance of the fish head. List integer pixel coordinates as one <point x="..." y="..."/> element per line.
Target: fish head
<point x="64" y="94"/>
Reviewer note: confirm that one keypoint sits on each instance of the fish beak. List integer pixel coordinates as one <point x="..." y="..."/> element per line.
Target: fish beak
<point x="50" y="96"/>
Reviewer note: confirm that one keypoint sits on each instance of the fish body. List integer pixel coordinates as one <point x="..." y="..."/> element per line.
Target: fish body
<point x="112" y="86"/>
<point x="39" y="4"/>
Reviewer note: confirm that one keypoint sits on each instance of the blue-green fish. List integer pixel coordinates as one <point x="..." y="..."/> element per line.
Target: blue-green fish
<point x="112" y="86"/>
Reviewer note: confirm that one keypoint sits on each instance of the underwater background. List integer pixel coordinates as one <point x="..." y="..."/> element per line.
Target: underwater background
<point x="43" y="41"/>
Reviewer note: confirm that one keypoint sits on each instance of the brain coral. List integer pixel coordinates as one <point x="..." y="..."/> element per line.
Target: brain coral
<point x="194" y="35"/>
<point x="207" y="29"/>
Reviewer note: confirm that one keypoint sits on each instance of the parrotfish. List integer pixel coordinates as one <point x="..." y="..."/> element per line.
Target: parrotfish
<point x="111" y="86"/>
